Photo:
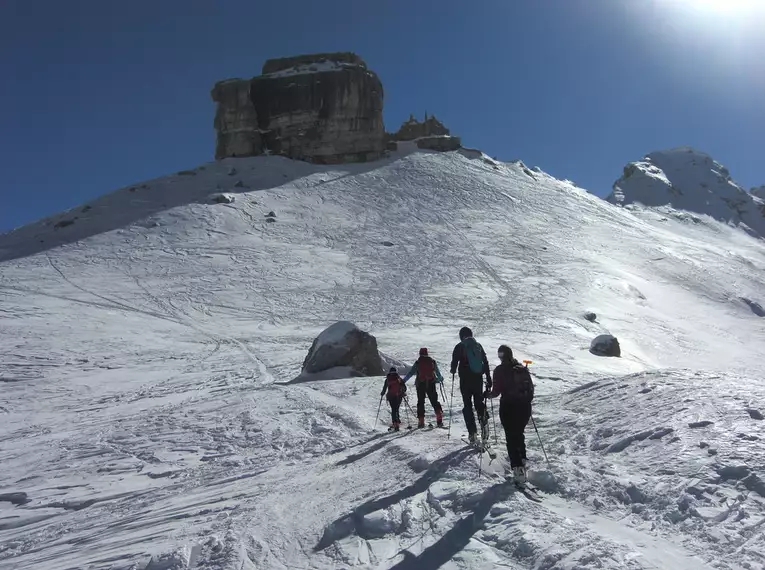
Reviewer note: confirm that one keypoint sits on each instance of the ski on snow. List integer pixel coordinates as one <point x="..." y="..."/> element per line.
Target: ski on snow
<point x="529" y="491"/>
<point x="482" y="447"/>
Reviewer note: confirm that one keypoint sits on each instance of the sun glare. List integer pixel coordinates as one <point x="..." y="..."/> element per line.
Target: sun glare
<point x="729" y="7"/>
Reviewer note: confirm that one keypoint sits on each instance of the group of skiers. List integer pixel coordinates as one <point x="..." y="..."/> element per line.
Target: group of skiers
<point x="511" y="381"/>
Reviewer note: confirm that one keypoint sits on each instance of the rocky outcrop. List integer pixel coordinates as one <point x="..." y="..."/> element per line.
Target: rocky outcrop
<point x="324" y="108"/>
<point x="413" y="129"/>
<point x="429" y="134"/>
<point x="440" y="144"/>
<point x="235" y="120"/>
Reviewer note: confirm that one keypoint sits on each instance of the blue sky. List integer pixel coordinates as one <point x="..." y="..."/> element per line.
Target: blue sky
<point x="100" y="94"/>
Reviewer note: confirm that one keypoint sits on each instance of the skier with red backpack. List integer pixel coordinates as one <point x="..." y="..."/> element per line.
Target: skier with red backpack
<point x="426" y="374"/>
<point x="512" y="381"/>
<point x="396" y="390"/>
<point x="469" y="359"/>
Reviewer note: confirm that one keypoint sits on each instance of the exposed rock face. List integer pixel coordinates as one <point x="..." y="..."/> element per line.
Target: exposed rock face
<point x="324" y="108"/>
<point x="235" y="120"/>
<point x="413" y="129"/>
<point x="605" y="345"/>
<point x="441" y="144"/>
<point x="345" y="348"/>
<point x="687" y="179"/>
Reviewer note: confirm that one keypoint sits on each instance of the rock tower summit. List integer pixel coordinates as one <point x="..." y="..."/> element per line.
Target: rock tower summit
<point x="323" y="108"/>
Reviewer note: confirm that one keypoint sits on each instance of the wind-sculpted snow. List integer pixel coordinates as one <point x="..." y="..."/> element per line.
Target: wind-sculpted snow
<point x="148" y="419"/>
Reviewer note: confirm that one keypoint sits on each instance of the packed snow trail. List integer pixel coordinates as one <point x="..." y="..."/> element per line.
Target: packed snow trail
<point x="149" y="414"/>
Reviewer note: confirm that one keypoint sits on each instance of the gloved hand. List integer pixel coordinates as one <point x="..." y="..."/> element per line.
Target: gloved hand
<point x="488" y="384"/>
<point x="487" y="394"/>
<point x="382" y="393"/>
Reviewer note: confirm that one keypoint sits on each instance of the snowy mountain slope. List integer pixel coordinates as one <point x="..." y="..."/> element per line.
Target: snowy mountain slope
<point x="687" y="179"/>
<point x="147" y="405"/>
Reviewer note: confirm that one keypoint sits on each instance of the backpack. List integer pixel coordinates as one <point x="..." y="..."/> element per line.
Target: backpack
<point x="520" y="387"/>
<point x="426" y="369"/>
<point x="473" y="354"/>
<point x="394" y="384"/>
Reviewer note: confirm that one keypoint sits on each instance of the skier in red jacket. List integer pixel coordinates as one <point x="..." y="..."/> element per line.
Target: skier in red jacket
<point x="427" y="374"/>
<point x="396" y="390"/>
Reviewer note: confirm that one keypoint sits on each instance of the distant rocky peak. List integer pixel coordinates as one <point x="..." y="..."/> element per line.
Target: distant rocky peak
<point x="687" y="179"/>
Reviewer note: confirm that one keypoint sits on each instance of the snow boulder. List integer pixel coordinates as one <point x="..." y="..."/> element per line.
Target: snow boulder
<point x="605" y="345"/>
<point x="343" y="350"/>
<point x="221" y="198"/>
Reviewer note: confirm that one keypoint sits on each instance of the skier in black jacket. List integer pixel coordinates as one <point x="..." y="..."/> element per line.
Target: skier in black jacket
<point x="512" y="381"/>
<point x="469" y="359"/>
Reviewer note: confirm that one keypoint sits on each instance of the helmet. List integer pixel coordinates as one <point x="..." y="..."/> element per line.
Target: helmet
<point x="465" y="332"/>
<point x="392" y="370"/>
<point x="423" y="352"/>
<point x="505" y="352"/>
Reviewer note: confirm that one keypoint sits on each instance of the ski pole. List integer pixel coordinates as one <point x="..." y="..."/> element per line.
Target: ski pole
<point x="408" y="406"/>
<point x="480" y="459"/>
<point x="378" y="411"/>
<point x="494" y="422"/>
<point x="406" y="411"/>
<point x="449" y="434"/>
<point x="540" y="440"/>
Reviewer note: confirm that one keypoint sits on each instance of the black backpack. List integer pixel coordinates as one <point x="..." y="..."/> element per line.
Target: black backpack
<point x="521" y="388"/>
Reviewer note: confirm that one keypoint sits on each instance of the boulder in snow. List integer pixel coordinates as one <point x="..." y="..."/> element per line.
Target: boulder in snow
<point x="590" y="316"/>
<point x="754" y="306"/>
<point x="341" y="351"/>
<point x="605" y="345"/>
<point x="221" y="198"/>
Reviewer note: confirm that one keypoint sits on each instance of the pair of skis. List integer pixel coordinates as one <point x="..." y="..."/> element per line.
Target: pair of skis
<point x="412" y="428"/>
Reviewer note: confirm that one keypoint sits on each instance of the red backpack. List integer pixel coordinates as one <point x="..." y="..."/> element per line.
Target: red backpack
<point x="394" y="384"/>
<point x="426" y="369"/>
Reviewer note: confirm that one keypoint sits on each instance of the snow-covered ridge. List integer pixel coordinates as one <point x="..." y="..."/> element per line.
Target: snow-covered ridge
<point x="690" y="180"/>
<point x="149" y="338"/>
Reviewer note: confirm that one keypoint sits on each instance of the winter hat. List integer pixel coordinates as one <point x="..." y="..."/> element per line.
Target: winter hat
<point x="465" y="332"/>
<point x="505" y="352"/>
<point x="392" y="370"/>
<point x="423" y="352"/>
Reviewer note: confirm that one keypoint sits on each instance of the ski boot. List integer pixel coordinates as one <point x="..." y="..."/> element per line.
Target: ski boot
<point x="519" y="475"/>
<point x="421" y="422"/>
<point x="440" y="419"/>
<point x="396" y="426"/>
<point x="471" y="437"/>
